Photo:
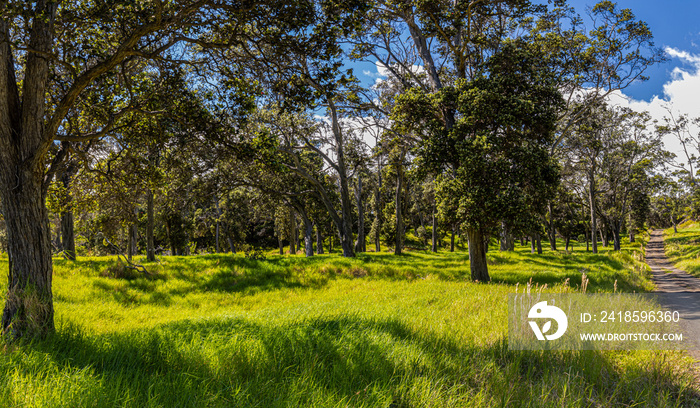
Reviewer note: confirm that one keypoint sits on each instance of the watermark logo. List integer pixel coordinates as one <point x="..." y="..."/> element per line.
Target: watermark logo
<point x="542" y="311"/>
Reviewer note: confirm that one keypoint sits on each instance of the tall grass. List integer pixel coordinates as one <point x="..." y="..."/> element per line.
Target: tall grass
<point x="376" y="331"/>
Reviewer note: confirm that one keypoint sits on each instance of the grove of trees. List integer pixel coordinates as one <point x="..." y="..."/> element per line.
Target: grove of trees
<point x="176" y="127"/>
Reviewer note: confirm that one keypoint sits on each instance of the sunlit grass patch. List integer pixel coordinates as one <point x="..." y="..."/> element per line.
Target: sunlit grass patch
<point x="683" y="248"/>
<point x="374" y="331"/>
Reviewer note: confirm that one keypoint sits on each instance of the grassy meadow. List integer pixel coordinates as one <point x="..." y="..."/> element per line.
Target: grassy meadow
<point x="374" y="331"/>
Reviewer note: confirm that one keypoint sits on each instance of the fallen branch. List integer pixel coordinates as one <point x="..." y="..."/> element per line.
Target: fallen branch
<point x="128" y="263"/>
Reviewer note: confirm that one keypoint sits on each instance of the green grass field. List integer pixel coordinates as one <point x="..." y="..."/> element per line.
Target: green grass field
<point x="374" y="331"/>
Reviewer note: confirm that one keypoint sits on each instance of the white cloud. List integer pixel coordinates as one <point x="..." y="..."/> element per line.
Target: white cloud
<point x="681" y="94"/>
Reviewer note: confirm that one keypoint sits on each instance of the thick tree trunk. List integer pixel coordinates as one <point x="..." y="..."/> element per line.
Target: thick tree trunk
<point x="477" y="256"/>
<point x="360" y="244"/>
<point x="28" y="307"/>
<point x="29" y="301"/>
<point x="150" y="224"/>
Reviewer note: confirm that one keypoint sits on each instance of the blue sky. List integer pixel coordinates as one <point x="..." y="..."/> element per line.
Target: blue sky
<point x="675" y="25"/>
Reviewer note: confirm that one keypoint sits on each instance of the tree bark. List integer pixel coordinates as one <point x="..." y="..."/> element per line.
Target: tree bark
<point x="28" y="307"/>
<point x="539" y="244"/>
<point x="532" y="244"/>
<point x="281" y="244"/>
<point x="477" y="256"/>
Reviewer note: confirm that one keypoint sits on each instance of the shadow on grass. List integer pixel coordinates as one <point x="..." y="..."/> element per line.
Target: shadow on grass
<point x="225" y="273"/>
<point x="344" y="360"/>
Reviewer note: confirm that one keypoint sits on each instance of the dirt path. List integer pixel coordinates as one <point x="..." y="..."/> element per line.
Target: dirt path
<point x="676" y="290"/>
<point x="668" y="279"/>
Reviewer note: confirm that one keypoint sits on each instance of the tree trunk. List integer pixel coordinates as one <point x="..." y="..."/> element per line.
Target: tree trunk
<point x="28" y="307"/>
<point x="330" y="242"/>
<point x="150" y="224"/>
<point x="587" y="247"/>
<point x="507" y="240"/>
<point x="452" y="239"/>
<point x="218" y="224"/>
<point x="551" y="233"/>
<point x="345" y="201"/>
<point x="532" y="244"/>
<point x="566" y="243"/>
<point x="281" y="244"/>
<point x="133" y="237"/>
<point x="616" y="236"/>
<point x="539" y="243"/>
<point x="477" y="256"/>
<point x="603" y="236"/>
<point x="434" y="246"/>
<point x="360" y="244"/>
<point x="29" y="301"/>
<point x="398" y="244"/>
<point x="594" y="221"/>
<point x="231" y="245"/>
<point x="319" y="239"/>
<point x="378" y="208"/>
<point x="308" y="232"/>
<point x="293" y="236"/>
